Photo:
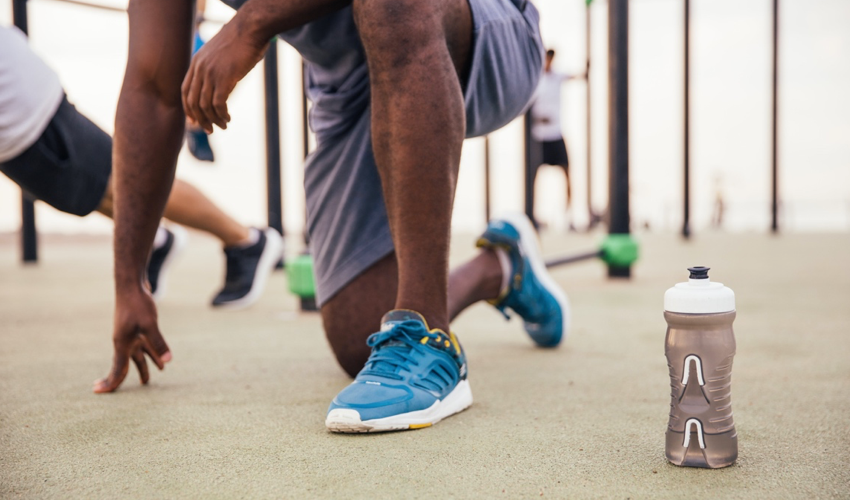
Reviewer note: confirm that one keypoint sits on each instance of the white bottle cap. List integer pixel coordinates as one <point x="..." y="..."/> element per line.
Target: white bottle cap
<point x="699" y="295"/>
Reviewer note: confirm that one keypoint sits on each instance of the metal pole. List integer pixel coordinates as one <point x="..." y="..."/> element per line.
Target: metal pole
<point x="530" y="169"/>
<point x="618" y="123"/>
<point x="591" y="215"/>
<point x="686" y="222"/>
<point x="305" y="126"/>
<point x="774" y="188"/>
<point x="487" y="178"/>
<point x="574" y="258"/>
<point x="19" y="15"/>
<point x="275" y="202"/>
<point x="305" y="129"/>
<point x="29" y="237"/>
<point x="29" y="240"/>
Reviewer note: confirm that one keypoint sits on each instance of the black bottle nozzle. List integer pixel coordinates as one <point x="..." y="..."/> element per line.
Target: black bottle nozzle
<point x="699" y="272"/>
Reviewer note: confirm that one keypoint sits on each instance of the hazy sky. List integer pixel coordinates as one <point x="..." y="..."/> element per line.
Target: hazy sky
<point x="730" y="64"/>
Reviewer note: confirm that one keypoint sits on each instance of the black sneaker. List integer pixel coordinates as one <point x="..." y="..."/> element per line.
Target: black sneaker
<point x="248" y="269"/>
<point x="198" y="143"/>
<point x="161" y="259"/>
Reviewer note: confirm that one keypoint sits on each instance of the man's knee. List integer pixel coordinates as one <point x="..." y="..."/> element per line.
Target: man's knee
<point x="355" y="313"/>
<point x="397" y="24"/>
<point x="348" y="344"/>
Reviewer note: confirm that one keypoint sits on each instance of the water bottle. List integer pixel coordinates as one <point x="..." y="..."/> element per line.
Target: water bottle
<point x="699" y="347"/>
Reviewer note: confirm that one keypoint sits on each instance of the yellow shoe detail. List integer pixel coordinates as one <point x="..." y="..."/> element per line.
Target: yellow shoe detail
<point x="455" y="342"/>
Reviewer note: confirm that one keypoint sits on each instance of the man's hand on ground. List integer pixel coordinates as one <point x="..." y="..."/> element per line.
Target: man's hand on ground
<point x="214" y="72"/>
<point x="136" y="334"/>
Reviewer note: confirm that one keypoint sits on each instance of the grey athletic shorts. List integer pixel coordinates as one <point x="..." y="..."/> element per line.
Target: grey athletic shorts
<point x="346" y="218"/>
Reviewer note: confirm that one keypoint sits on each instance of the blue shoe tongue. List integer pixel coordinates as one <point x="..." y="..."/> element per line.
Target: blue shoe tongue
<point x="388" y="322"/>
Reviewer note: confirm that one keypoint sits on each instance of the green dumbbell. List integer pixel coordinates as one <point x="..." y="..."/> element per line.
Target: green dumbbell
<point x="618" y="250"/>
<point x="302" y="282"/>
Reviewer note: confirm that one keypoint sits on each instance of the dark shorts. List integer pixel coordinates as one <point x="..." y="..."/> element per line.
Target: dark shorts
<point x="555" y="153"/>
<point x="68" y="167"/>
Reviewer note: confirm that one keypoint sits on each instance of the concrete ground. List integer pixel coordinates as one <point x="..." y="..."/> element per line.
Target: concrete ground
<point x="240" y="410"/>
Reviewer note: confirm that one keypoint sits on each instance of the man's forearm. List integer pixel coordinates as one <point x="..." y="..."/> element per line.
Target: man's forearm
<point x="261" y="20"/>
<point x="148" y="136"/>
<point x="149" y="127"/>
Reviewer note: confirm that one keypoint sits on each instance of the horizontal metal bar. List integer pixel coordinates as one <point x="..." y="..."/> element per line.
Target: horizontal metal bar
<point x="573" y="258"/>
<point x="113" y="8"/>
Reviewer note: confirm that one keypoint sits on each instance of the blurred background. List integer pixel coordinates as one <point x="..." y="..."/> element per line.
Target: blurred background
<point x="730" y="117"/>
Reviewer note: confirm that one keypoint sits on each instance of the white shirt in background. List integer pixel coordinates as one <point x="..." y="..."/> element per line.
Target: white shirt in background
<point x="547" y="107"/>
<point x="30" y="94"/>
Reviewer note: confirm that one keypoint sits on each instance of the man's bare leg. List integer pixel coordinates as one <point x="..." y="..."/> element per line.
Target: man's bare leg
<point x="478" y="279"/>
<point x="189" y="207"/>
<point x="417" y="53"/>
<point x="351" y="315"/>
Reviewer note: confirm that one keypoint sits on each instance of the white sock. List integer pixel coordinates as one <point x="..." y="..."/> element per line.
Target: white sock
<point x="160" y="238"/>
<point x="507" y="269"/>
<point x="252" y="239"/>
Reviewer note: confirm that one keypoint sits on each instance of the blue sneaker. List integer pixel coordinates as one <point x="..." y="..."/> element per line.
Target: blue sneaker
<point x="531" y="292"/>
<point x="414" y="378"/>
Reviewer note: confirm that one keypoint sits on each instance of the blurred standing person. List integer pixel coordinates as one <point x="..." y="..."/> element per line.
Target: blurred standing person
<point x="546" y="123"/>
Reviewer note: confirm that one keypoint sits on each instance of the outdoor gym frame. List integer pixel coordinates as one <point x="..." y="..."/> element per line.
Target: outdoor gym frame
<point x="618" y="131"/>
<point x="619" y="242"/>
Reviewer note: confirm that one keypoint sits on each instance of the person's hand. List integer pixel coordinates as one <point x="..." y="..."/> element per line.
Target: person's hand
<point x="214" y="72"/>
<point x="135" y="335"/>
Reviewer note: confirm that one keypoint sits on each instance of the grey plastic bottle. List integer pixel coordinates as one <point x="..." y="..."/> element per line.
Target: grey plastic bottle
<point x="700" y="347"/>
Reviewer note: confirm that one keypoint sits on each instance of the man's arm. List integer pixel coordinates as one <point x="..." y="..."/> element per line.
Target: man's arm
<point x="239" y="46"/>
<point x="148" y="134"/>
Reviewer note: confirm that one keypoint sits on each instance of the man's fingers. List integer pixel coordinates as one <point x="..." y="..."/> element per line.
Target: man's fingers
<point x="142" y="366"/>
<point x="184" y="91"/>
<point x="152" y="338"/>
<point x="193" y="96"/>
<point x="149" y="350"/>
<point x="120" y="365"/>
<point x="207" y="103"/>
<point x="219" y="102"/>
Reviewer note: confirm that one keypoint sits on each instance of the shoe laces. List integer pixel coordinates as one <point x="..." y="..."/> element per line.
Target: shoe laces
<point x="394" y="349"/>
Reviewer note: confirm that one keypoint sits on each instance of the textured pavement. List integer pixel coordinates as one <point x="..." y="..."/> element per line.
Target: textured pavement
<point x="239" y="412"/>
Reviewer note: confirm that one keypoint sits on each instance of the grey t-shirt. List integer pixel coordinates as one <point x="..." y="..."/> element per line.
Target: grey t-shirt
<point x="30" y="94"/>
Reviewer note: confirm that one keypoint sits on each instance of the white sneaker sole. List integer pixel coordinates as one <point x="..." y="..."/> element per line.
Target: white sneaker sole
<point x="528" y="242"/>
<point x="268" y="260"/>
<point x="180" y="239"/>
<point x="348" y="421"/>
